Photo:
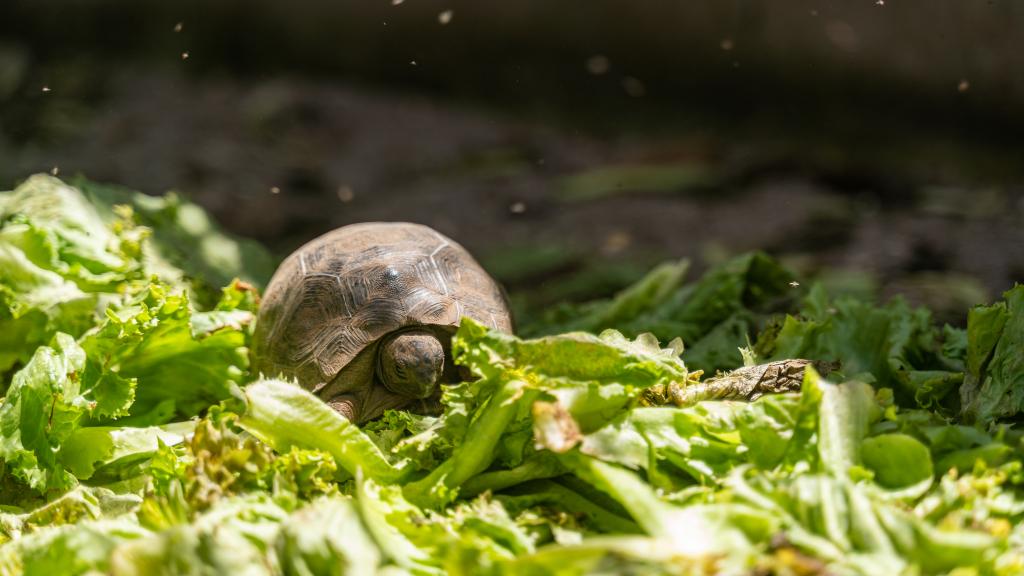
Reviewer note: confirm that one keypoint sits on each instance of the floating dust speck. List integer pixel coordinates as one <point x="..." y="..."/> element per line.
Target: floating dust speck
<point x="616" y="242"/>
<point x="346" y="194"/>
<point x="396" y="2"/>
<point x="963" y="86"/>
<point x="598" y="64"/>
<point x="633" y="86"/>
<point x="517" y="207"/>
<point x="275" y="190"/>
<point x="814" y="12"/>
<point x="413" y="63"/>
<point x="179" y="27"/>
<point x="184" y="55"/>
<point x="726" y="44"/>
<point x="55" y="170"/>
<point x="445" y="17"/>
<point x="794" y="284"/>
<point x="879" y="2"/>
<point x="46" y="88"/>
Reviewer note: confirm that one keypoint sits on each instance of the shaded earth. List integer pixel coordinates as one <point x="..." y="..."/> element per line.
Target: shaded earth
<point x="555" y="213"/>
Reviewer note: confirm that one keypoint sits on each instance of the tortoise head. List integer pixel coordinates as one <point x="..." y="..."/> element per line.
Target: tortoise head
<point x="410" y="363"/>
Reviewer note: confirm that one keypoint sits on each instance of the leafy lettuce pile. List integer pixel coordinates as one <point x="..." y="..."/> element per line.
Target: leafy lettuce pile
<point x="135" y="440"/>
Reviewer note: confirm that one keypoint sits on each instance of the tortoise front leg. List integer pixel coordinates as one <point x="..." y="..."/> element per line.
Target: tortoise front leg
<point x="347" y="405"/>
<point x="369" y="406"/>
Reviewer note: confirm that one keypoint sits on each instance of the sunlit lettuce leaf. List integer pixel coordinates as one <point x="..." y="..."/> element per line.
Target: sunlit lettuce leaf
<point x="81" y="548"/>
<point x="665" y="441"/>
<point x="608" y="358"/>
<point x="233" y="537"/>
<point x="639" y="555"/>
<point x="186" y="244"/>
<point x="58" y="259"/>
<point x="399" y="528"/>
<point x="110" y="448"/>
<point x="179" y="360"/>
<point x="986" y="498"/>
<point x="146" y="361"/>
<point x="218" y="461"/>
<point x="59" y="230"/>
<point x="326" y="537"/>
<point x="284" y="416"/>
<point x="65" y="254"/>
<point x="593" y="377"/>
<point x="857" y="529"/>
<point x="695" y="531"/>
<point x="897" y="460"/>
<point x="77" y="505"/>
<point x="559" y="500"/>
<point x="46" y="403"/>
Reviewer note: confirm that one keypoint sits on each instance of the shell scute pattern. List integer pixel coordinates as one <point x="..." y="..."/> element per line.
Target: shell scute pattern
<point x="342" y="292"/>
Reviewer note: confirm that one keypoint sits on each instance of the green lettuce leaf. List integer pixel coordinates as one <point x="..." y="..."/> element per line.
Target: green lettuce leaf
<point x="46" y="403"/>
<point x="185" y="244"/>
<point x="177" y="361"/>
<point x="326" y="537"/>
<point x="284" y="415"/>
<point x="82" y="548"/>
<point x="994" y="386"/>
<point x="893" y="346"/>
<point x="723" y="308"/>
<point x="592" y="377"/>
<point x="58" y="259"/>
<point x="233" y="537"/>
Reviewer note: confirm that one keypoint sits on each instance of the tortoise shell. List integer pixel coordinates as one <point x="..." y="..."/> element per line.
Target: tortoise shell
<point x="332" y="301"/>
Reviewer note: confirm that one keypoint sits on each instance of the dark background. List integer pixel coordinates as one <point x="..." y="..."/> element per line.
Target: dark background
<point x="878" y="146"/>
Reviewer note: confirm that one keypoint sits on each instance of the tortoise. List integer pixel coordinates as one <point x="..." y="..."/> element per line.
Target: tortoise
<point x="363" y="316"/>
